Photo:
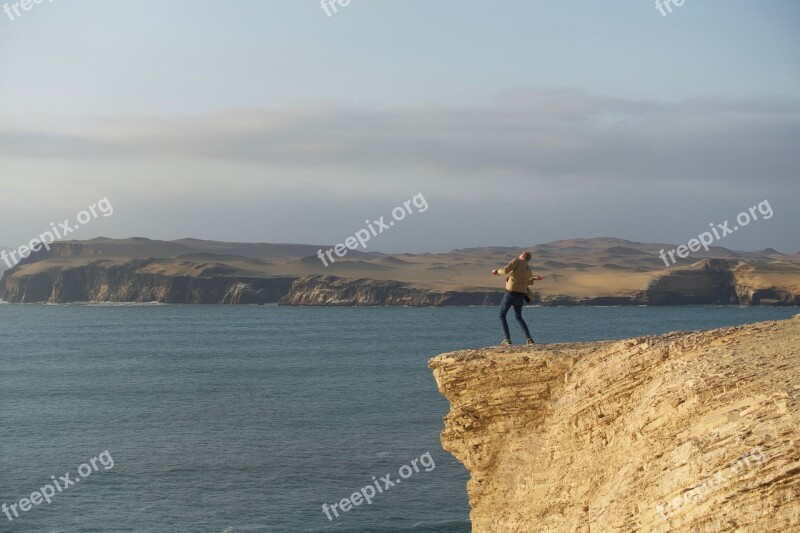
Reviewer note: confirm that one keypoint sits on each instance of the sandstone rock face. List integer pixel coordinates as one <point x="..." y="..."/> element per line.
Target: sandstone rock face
<point x="711" y="283"/>
<point x="96" y="282"/>
<point x="679" y="432"/>
<point x="329" y="290"/>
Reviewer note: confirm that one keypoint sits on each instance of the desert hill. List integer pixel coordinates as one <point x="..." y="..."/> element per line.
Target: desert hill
<point x="599" y="271"/>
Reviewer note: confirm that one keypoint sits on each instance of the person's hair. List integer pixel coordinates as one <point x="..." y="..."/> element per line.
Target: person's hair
<point x="527" y="255"/>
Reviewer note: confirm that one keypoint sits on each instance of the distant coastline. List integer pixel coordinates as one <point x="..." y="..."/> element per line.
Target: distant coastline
<point x="580" y="272"/>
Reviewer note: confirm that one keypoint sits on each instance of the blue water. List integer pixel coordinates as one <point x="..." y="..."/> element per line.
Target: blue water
<point x="249" y="418"/>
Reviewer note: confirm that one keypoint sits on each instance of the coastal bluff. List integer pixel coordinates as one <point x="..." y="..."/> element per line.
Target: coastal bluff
<point x="577" y="272"/>
<point x="687" y="431"/>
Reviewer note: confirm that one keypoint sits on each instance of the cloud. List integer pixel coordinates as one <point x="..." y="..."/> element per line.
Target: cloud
<point x="545" y="135"/>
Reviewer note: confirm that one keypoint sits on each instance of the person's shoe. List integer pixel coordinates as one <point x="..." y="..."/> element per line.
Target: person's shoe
<point x="505" y="342"/>
<point x="530" y="341"/>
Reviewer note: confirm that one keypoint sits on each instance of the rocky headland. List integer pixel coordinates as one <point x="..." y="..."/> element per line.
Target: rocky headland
<point x="694" y="431"/>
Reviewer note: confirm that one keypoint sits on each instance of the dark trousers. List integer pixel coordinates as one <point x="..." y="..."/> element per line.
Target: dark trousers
<point x="515" y="300"/>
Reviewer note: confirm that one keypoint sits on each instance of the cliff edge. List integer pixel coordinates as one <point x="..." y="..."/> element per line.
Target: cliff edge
<point x="679" y="432"/>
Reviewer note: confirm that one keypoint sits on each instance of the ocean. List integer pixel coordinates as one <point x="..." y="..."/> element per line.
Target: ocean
<point x="250" y="418"/>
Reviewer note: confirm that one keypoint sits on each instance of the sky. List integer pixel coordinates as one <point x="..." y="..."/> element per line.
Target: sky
<point x="520" y="122"/>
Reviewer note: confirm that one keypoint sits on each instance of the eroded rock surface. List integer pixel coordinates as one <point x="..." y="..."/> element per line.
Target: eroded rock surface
<point x="679" y="432"/>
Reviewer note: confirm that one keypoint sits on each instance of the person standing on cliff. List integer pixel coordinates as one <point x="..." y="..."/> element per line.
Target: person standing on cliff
<point x="519" y="277"/>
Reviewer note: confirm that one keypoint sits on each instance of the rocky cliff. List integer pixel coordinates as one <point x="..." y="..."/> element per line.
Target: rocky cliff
<point x="101" y="270"/>
<point x="101" y="281"/>
<point x="712" y="281"/>
<point x="330" y="290"/>
<point x="683" y="432"/>
<point x="718" y="281"/>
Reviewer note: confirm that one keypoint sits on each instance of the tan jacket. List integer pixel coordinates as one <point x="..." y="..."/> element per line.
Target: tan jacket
<point x="519" y="276"/>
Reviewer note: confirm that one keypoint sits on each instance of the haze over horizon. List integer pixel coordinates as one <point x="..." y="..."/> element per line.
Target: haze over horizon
<point x="520" y="122"/>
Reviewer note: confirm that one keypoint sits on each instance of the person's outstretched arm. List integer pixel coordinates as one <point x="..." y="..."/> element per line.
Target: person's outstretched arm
<point x="506" y="269"/>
